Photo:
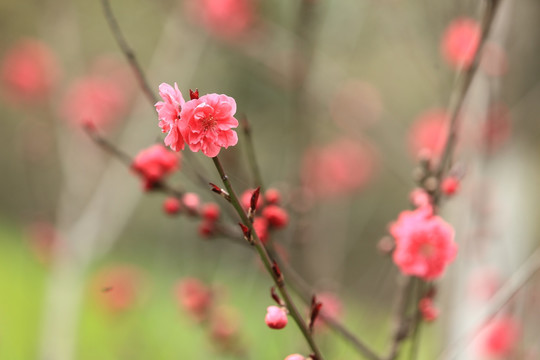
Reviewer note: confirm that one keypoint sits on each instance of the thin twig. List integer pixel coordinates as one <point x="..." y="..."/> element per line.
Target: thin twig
<point x="128" y="52"/>
<point x="401" y="325"/>
<point x="268" y="263"/>
<point x="497" y="302"/>
<point x="250" y="149"/>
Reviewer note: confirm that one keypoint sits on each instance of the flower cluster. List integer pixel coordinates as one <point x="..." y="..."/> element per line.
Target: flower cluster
<point x="204" y="124"/>
<point x="273" y="215"/>
<point x="154" y="163"/>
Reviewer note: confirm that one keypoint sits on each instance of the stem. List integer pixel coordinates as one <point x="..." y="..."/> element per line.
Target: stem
<point x="128" y="52"/>
<point x="252" y="159"/>
<point x="263" y="254"/>
<point x="401" y="329"/>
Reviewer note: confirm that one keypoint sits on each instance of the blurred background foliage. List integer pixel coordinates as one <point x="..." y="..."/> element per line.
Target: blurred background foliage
<point x="361" y="70"/>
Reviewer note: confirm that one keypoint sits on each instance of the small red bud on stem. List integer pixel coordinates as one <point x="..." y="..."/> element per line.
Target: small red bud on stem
<point x="246" y="232"/>
<point x="314" y="313"/>
<point x="194" y="95"/>
<point x="220" y="191"/>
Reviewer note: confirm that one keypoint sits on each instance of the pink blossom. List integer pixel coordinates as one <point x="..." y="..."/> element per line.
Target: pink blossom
<point x="276" y="317"/>
<point x="295" y="357"/>
<point x="272" y="196"/>
<point x="209" y="121"/>
<point x="429" y="132"/>
<point x="119" y="287"/>
<point x="154" y="163"/>
<point x="260" y="224"/>
<point x="172" y="206"/>
<point x="498" y="337"/>
<point x="276" y="216"/>
<point x="169" y="114"/>
<point x="460" y="42"/>
<point x="245" y="199"/>
<point x="424" y="244"/>
<point x="419" y="198"/>
<point x="210" y="211"/>
<point x="450" y="185"/>
<point x="29" y="72"/>
<point x="427" y="309"/>
<point x="338" y="168"/>
<point x="224" y="18"/>
<point x="192" y="202"/>
<point x="194" y="297"/>
<point x="94" y="99"/>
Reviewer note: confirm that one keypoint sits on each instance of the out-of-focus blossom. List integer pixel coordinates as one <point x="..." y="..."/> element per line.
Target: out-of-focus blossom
<point x="119" y="287"/>
<point x="424" y="244"/>
<point x="95" y="100"/>
<point x="337" y="169"/>
<point x="295" y="357"/>
<point x="29" y="72"/>
<point x="460" y="42"/>
<point x="356" y="105"/>
<point x="209" y="121"/>
<point x="224" y="18"/>
<point x="419" y="198"/>
<point x="276" y="317"/>
<point x="498" y="337"/>
<point x="260" y="224"/>
<point x="194" y="297"/>
<point x="43" y="238"/>
<point x="428" y="133"/>
<point x="245" y="199"/>
<point x="169" y="114"/>
<point x="210" y="211"/>
<point x="276" y="216"/>
<point x="493" y="61"/>
<point x="483" y="283"/>
<point x="154" y="163"/>
<point x="192" y="202"/>
<point x="172" y="206"/>
<point x="427" y="309"/>
<point x="207" y="228"/>
<point x="450" y="185"/>
<point x="272" y="196"/>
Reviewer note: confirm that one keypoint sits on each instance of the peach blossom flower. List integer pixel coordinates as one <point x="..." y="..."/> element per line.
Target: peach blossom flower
<point x="276" y="317"/>
<point x="194" y="297"/>
<point x="223" y="18"/>
<point x="460" y="42"/>
<point x="154" y="163"/>
<point x="295" y="357"/>
<point x="338" y="168"/>
<point x="428" y="132"/>
<point x="169" y="111"/>
<point x="498" y="337"/>
<point x="119" y="287"/>
<point x="276" y="216"/>
<point x="29" y="72"/>
<point x="209" y="121"/>
<point x="424" y="244"/>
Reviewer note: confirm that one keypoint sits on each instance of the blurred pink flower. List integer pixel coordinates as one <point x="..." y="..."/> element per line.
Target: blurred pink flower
<point x="460" y="42"/>
<point x="260" y="224"/>
<point x="29" y="72"/>
<point x="118" y="287"/>
<point x="154" y="163"/>
<point x="424" y="244"/>
<point x="194" y="297"/>
<point x="427" y="309"/>
<point x="338" y="168"/>
<point x="498" y="337"/>
<point x="295" y="357"/>
<point x="43" y="238"/>
<point x="169" y="111"/>
<point x="276" y="317"/>
<point x="95" y="100"/>
<point x="192" y="202"/>
<point x="276" y="216"/>
<point x="428" y="132"/>
<point x="209" y="123"/>
<point x="224" y="18"/>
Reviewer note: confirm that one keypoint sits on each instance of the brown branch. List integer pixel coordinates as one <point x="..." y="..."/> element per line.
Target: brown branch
<point x="128" y="52"/>
<point x="401" y="323"/>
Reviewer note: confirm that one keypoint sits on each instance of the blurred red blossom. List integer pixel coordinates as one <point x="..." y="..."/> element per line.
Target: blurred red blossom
<point x="450" y="185"/>
<point x="276" y="317"/>
<point x="224" y="18"/>
<point x="428" y="311"/>
<point x="424" y="244"/>
<point x="295" y="357"/>
<point x="169" y="114"/>
<point x="154" y="163"/>
<point x="29" y="73"/>
<point x="460" y="42"/>
<point x="428" y="133"/>
<point x="195" y="297"/>
<point x="338" y="168"/>
<point x="276" y="216"/>
<point x="118" y="287"/>
<point x="172" y="206"/>
<point x="498" y="337"/>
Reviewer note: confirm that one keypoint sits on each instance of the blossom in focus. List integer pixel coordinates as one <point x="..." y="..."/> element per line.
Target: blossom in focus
<point x="424" y="244"/>
<point x="194" y="297"/>
<point x="29" y="72"/>
<point x="428" y="132"/>
<point x="154" y="163"/>
<point x="119" y="287"/>
<point x="209" y="121"/>
<point x="338" y="168"/>
<point x="169" y="111"/>
<point x="276" y="317"/>
<point x="223" y="18"/>
<point x="427" y="309"/>
<point x="498" y="337"/>
<point x="460" y="42"/>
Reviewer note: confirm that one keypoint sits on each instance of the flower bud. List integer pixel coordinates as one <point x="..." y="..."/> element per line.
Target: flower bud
<point x="276" y="317"/>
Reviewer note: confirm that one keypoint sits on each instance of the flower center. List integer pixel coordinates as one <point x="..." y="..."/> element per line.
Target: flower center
<point x="427" y="250"/>
<point x="208" y="123"/>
